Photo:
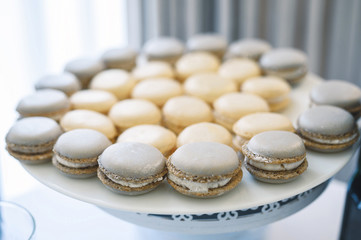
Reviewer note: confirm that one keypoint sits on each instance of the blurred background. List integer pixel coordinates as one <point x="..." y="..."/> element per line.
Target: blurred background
<point x="41" y="36"/>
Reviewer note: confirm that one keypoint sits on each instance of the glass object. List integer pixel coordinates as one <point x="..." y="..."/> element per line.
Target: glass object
<point x="351" y="223"/>
<point x="16" y="223"/>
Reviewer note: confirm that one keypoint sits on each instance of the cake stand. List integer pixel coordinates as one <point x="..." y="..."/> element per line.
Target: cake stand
<point x="250" y="204"/>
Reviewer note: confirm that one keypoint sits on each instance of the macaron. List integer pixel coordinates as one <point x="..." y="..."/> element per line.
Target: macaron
<point x="204" y="169"/>
<point x="183" y="111"/>
<point x="239" y="70"/>
<point x="46" y="103"/>
<point x="157" y="90"/>
<point x="287" y="63"/>
<point x="84" y="69"/>
<point x="154" y="69"/>
<point x="204" y="132"/>
<point x="196" y="62"/>
<point x="65" y="82"/>
<point x="230" y="107"/>
<point x="120" y="58"/>
<point x="116" y="81"/>
<point x="327" y="128"/>
<point x="167" y="49"/>
<point x="91" y="99"/>
<point x="338" y="93"/>
<point x="131" y="168"/>
<point x="252" y="124"/>
<point x="157" y="136"/>
<point x="274" y="90"/>
<point x="76" y="152"/>
<point x="208" y="42"/>
<point x="82" y="118"/>
<point x="132" y="112"/>
<point x="252" y="48"/>
<point x="275" y="156"/>
<point x="31" y="140"/>
<point x="208" y="86"/>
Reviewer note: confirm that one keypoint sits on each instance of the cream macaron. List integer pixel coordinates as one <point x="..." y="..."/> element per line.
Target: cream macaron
<point x="31" y="140"/>
<point x="167" y="49"/>
<point x="120" y="58"/>
<point x="157" y="90"/>
<point x="132" y="112"/>
<point x="46" y="103"/>
<point x="154" y="69"/>
<point x="82" y="118"/>
<point x="252" y="124"/>
<point x="84" y="69"/>
<point x="116" y="81"/>
<point x="252" y="48"/>
<point x="204" y="169"/>
<point x="76" y="152"/>
<point x="239" y="70"/>
<point x="196" y="62"/>
<point x="157" y="136"/>
<point x="131" y="168"/>
<point x="204" y="132"/>
<point x="208" y="86"/>
<point x="183" y="111"/>
<point x="288" y="63"/>
<point x="230" y="107"/>
<point x="274" y="90"/>
<point x="96" y="100"/>
<point x="213" y="43"/>
<point x="65" y="82"/>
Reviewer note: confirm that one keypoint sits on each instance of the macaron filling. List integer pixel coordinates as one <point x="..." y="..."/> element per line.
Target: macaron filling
<point x="327" y="140"/>
<point x="273" y="167"/>
<point x="196" y="186"/>
<point x="64" y="161"/>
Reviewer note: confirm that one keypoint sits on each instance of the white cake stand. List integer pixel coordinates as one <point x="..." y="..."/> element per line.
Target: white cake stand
<point x="250" y="204"/>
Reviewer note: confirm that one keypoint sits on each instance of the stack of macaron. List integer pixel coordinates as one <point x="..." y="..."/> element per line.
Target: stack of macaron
<point x="182" y="111"/>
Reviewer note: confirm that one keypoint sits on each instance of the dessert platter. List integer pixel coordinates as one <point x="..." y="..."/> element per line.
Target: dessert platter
<point x="250" y="204"/>
<point x="167" y="137"/>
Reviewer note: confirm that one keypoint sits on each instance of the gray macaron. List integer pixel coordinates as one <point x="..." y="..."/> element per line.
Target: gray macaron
<point x="252" y="48"/>
<point x="327" y="128"/>
<point x="31" y="139"/>
<point x="338" y="93"/>
<point x="120" y="58"/>
<point x="65" y="82"/>
<point x="84" y="69"/>
<point x="166" y="49"/>
<point x="131" y="168"/>
<point x="287" y="63"/>
<point x="76" y="152"/>
<point x="204" y="169"/>
<point x="275" y="156"/>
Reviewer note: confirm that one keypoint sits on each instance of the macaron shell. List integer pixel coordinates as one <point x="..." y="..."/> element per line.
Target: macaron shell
<point x="81" y="144"/>
<point x="283" y="58"/>
<point x="37" y="158"/>
<point x="65" y="82"/>
<point x="161" y="138"/>
<point x="96" y="100"/>
<point x="336" y="92"/>
<point x="131" y="112"/>
<point x="157" y="90"/>
<point x="205" y="159"/>
<point x="276" y="145"/>
<point x="132" y="160"/>
<point x="186" y="110"/>
<point x="239" y="70"/>
<point x="249" y="48"/>
<point x="33" y="131"/>
<point x="208" y="86"/>
<point x="252" y="124"/>
<point x="237" y="105"/>
<point x="43" y="102"/>
<point x="204" y="132"/>
<point x="154" y="69"/>
<point x="113" y="57"/>
<point x="326" y="120"/>
<point x="84" y="69"/>
<point x="88" y="119"/>
<point x="267" y="87"/>
<point x="163" y="47"/>
<point x="116" y="81"/>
